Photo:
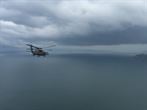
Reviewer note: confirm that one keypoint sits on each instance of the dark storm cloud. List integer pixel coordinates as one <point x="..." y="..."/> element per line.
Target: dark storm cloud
<point x="75" y="22"/>
<point x="134" y="35"/>
<point x="26" y="12"/>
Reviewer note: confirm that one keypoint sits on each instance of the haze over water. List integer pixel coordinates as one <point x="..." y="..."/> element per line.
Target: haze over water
<point x="103" y="65"/>
<point x="73" y="82"/>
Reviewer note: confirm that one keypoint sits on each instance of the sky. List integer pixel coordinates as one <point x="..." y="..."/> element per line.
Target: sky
<point x="81" y="25"/>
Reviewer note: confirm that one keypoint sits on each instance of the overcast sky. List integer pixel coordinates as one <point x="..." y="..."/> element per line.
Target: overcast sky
<point x="73" y="22"/>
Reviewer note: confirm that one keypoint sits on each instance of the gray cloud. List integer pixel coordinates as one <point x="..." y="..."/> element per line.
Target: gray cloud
<point x="74" y="22"/>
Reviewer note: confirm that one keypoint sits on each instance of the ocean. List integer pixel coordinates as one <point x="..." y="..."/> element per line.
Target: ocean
<point x="73" y="82"/>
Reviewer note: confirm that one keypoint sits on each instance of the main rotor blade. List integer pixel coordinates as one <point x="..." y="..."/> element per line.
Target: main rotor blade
<point x="29" y="44"/>
<point x="33" y="46"/>
<point x="50" y="46"/>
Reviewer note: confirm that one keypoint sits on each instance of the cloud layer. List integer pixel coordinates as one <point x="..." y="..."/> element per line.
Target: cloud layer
<point x="75" y="22"/>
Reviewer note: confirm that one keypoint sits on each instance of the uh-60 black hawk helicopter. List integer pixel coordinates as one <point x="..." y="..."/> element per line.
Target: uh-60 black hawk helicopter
<point x="37" y="51"/>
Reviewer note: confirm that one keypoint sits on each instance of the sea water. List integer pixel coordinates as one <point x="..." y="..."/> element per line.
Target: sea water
<point x="73" y="82"/>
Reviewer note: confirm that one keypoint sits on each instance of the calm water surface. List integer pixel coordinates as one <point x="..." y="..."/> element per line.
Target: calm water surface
<point x="74" y="82"/>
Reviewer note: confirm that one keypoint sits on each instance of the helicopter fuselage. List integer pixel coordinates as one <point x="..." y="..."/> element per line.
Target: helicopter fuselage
<point x="37" y="51"/>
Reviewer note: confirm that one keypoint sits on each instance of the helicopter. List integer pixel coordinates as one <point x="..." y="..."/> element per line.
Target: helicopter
<point x="37" y="51"/>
